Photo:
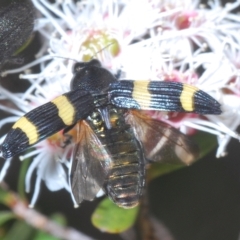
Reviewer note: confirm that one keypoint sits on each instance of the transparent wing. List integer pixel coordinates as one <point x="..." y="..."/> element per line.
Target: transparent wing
<point x="91" y="164"/>
<point x="160" y="141"/>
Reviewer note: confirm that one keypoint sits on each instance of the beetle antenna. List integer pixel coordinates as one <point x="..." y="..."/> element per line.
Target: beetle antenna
<point x="66" y="58"/>
<point x="111" y="43"/>
<point x="57" y="56"/>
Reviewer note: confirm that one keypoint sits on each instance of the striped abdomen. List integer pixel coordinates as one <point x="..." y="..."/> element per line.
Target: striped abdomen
<point x="125" y="181"/>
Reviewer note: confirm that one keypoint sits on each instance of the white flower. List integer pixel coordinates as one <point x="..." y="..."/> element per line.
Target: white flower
<point x="50" y="159"/>
<point x="166" y="40"/>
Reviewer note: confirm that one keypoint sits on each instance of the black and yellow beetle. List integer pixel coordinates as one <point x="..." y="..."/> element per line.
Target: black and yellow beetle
<point x="115" y="139"/>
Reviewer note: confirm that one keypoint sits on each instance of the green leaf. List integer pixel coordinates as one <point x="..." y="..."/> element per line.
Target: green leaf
<point x="108" y="217"/>
<point x="44" y="236"/>
<point x="20" y="231"/>
<point x="6" y="216"/>
<point x="3" y="196"/>
<point x="21" y="179"/>
<point x="59" y="218"/>
<point x="206" y="142"/>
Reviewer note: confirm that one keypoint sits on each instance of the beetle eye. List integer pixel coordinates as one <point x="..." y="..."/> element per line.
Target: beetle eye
<point x="77" y="67"/>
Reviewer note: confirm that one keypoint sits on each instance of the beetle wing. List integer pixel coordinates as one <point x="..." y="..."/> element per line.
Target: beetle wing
<point x="90" y="165"/>
<point x="46" y="120"/>
<point x="160" y="141"/>
<point x="162" y="96"/>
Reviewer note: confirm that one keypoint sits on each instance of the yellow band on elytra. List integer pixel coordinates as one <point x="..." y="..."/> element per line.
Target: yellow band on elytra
<point x="65" y="108"/>
<point x="28" y="128"/>
<point x="141" y="93"/>
<point x="187" y="97"/>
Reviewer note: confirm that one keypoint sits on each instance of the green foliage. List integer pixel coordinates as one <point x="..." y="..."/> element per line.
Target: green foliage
<point x="108" y="217"/>
<point x="44" y="236"/>
<point x="20" y="231"/>
<point x="5" y="216"/>
<point x="21" y="179"/>
<point x="59" y="218"/>
<point x="206" y="142"/>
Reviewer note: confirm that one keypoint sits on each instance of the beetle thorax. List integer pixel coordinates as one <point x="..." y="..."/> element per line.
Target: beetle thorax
<point x="91" y="77"/>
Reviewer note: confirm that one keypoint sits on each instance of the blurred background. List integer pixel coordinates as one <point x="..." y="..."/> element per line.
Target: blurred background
<point x="200" y="202"/>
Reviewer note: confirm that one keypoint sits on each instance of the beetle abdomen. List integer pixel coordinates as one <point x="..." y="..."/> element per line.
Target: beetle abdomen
<point x="125" y="181"/>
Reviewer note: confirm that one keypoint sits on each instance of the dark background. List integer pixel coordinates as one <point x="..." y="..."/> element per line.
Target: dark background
<point x="200" y="202"/>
